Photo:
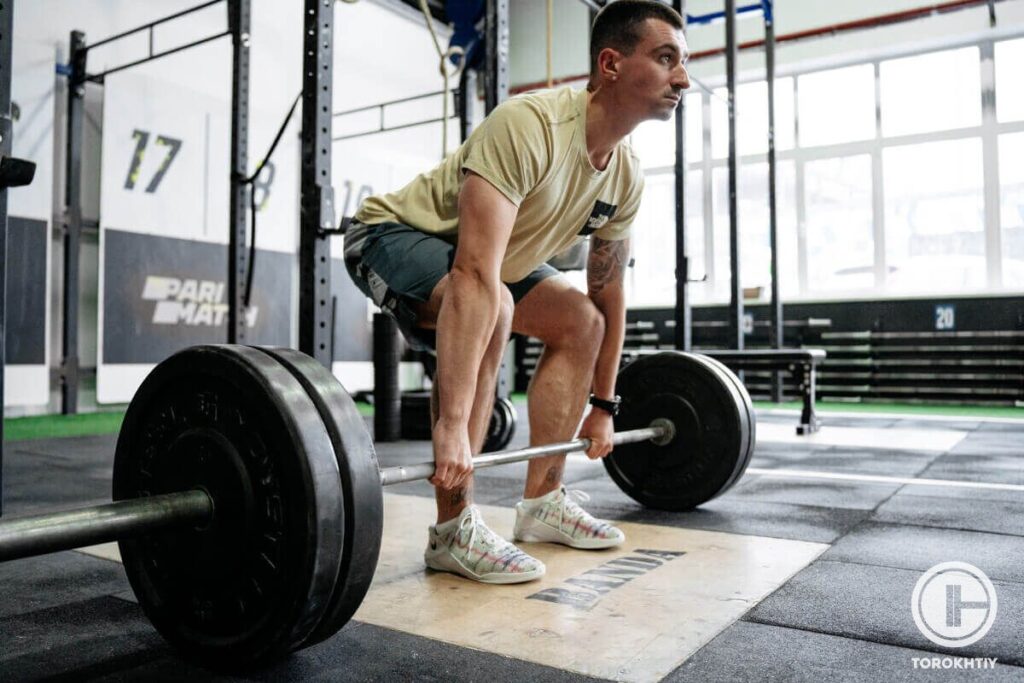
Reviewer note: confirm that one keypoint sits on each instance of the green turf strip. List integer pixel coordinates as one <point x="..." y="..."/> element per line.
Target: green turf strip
<point x="55" y="426"/>
<point x="83" y="424"/>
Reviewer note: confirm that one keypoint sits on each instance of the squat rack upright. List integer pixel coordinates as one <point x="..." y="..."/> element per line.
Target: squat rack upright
<point x="683" y="312"/>
<point x="238" y="22"/>
<point x="317" y="206"/>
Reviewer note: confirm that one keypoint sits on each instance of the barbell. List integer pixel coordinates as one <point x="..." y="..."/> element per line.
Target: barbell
<point x="248" y="499"/>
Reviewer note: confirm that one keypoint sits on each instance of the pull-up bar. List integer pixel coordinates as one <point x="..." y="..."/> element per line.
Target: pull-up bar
<point x="98" y="78"/>
<point x="765" y="6"/>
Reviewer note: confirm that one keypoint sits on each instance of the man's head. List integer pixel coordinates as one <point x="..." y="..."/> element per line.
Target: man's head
<point x="638" y="46"/>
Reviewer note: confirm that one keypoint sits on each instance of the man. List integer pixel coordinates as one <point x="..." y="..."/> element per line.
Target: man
<point x="459" y="255"/>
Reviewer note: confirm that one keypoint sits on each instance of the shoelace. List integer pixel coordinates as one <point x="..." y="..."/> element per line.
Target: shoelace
<point x="567" y="501"/>
<point x="473" y="519"/>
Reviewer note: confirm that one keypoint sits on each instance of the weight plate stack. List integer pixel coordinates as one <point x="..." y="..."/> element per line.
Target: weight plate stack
<point x="252" y="584"/>
<point x="360" y="479"/>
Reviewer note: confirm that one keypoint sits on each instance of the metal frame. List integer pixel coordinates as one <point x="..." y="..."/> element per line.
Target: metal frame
<point x="735" y="288"/>
<point x="683" y="310"/>
<point x="496" y="85"/>
<point x="239" y="19"/>
<point x="73" y="224"/>
<point x="380" y="106"/>
<point x="317" y="197"/>
<point x="6" y="146"/>
<point x="496" y="38"/>
<point x="775" y="336"/>
<point x="72" y="221"/>
<point x="98" y="78"/>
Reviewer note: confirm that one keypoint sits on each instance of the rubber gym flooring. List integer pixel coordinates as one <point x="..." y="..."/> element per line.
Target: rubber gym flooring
<point x="803" y="571"/>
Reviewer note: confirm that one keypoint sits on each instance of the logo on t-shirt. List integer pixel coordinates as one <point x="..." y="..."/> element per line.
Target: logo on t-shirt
<point x="599" y="215"/>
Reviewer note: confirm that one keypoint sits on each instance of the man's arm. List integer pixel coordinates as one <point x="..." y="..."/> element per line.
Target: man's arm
<point x="467" y="317"/>
<point x="606" y="268"/>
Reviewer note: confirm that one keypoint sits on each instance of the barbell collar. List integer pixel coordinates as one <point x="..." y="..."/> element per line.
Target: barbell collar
<point x="33" y="535"/>
<point x="659" y="430"/>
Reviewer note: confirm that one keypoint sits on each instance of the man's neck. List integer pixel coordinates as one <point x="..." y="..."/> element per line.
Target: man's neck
<point x="605" y="129"/>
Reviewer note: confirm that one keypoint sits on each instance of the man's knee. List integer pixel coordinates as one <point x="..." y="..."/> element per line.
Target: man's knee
<point x="583" y="328"/>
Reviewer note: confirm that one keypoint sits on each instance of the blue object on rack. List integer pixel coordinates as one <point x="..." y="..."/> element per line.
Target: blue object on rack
<point x="764" y="6"/>
<point x="465" y="15"/>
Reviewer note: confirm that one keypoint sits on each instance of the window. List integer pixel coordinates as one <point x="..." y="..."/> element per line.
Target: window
<point x="655" y="141"/>
<point x="934" y="91"/>
<point x="1009" y="85"/>
<point x="752" y="118"/>
<point x="652" y="281"/>
<point x="1011" y="205"/>
<point x="837" y="105"/>
<point x="935" y="217"/>
<point x="755" y="242"/>
<point x="840" y="242"/>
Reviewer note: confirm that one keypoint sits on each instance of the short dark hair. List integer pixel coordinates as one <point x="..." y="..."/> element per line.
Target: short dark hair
<point x="618" y="23"/>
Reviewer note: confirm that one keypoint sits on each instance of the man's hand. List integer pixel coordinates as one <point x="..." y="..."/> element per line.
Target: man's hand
<point x="599" y="428"/>
<point x="453" y="458"/>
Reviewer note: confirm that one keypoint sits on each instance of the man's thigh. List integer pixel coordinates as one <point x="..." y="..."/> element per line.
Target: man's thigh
<point x="551" y="309"/>
<point x="430" y="309"/>
<point x="402" y="270"/>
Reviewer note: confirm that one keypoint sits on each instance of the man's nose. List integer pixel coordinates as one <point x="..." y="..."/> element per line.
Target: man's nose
<point x="681" y="79"/>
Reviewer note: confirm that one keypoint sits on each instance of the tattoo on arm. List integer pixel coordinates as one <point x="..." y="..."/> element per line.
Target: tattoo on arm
<point x="607" y="263"/>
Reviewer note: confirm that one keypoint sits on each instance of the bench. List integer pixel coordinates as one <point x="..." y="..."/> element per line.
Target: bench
<point x="801" y="363"/>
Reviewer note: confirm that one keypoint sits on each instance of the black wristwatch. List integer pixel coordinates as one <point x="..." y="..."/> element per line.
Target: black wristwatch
<point x="611" y="407"/>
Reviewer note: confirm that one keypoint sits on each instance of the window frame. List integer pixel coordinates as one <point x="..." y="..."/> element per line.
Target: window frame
<point x="988" y="132"/>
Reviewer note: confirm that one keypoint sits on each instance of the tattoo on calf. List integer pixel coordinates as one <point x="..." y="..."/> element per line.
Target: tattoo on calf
<point x="554" y="474"/>
<point x="459" y="496"/>
<point x="607" y="262"/>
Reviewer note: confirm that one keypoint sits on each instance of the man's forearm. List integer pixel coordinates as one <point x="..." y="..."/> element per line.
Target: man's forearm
<point x="465" y="323"/>
<point x="606" y="267"/>
<point x="611" y="303"/>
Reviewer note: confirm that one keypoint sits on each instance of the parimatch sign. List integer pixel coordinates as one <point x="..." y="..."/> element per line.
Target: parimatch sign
<point x="162" y="294"/>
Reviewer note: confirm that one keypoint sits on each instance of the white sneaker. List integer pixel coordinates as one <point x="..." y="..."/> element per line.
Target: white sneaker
<point x="558" y="518"/>
<point x="465" y="546"/>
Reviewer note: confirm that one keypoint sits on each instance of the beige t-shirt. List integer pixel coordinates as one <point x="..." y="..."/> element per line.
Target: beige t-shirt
<point x="533" y="149"/>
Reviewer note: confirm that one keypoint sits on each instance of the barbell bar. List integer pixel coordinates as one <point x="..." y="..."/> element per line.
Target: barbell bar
<point x="660" y="430"/>
<point x="249" y="506"/>
<point x="32" y="535"/>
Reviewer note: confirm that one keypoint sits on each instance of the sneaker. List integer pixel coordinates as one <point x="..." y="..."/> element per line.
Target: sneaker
<point x="558" y="518"/>
<point x="465" y="546"/>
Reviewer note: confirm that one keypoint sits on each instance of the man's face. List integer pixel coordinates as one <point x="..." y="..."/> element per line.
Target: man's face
<point x="654" y="76"/>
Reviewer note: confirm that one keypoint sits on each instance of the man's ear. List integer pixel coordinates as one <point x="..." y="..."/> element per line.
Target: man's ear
<point x="608" y="63"/>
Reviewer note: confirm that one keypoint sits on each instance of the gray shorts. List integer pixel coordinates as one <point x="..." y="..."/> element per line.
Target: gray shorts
<point x="398" y="266"/>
